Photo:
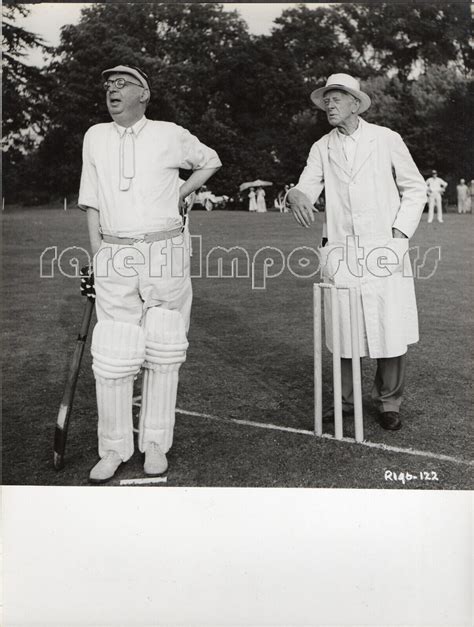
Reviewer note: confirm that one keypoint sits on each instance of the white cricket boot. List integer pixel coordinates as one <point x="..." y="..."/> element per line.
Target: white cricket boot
<point x="106" y="468"/>
<point x="155" y="460"/>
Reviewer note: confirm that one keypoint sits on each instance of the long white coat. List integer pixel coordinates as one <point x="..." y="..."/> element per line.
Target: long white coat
<point x="383" y="190"/>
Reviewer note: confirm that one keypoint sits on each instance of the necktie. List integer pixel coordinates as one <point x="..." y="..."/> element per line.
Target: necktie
<point x="127" y="159"/>
<point x="349" y="149"/>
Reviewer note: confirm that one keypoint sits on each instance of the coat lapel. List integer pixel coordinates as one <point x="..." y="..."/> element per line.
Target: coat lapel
<point x="336" y="156"/>
<point x="365" y="146"/>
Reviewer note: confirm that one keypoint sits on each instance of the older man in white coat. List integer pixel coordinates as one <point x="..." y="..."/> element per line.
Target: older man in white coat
<point x="375" y="197"/>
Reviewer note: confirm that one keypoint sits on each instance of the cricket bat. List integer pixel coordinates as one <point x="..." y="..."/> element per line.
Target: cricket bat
<point x="64" y="414"/>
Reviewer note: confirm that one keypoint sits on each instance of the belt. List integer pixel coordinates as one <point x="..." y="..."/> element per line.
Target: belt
<point x="148" y="238"/>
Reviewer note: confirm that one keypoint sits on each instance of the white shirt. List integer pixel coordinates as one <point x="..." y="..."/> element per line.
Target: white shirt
<point x="436" y="184"/>
<point x="151" y="201"/>
<point x="349" y="145"/>
<point x="349" y="148"/>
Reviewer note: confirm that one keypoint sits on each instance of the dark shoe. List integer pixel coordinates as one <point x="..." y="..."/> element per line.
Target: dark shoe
<point x="328" y="415"/>
<point x="390" y="420"/>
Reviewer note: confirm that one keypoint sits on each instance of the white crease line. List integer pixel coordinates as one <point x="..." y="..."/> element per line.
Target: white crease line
<point x="377" y="445"/>
<point x="144" y="480"/>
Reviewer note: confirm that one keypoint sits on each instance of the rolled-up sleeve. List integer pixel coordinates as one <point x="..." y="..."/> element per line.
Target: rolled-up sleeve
<point x="88" y="190"/>
<point x="195" y="155"/>
<point x="311" y="181"/>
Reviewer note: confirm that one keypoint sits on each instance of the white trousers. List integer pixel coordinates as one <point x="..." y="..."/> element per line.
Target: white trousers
<point x="435" y="199"/>
<point x="130" y="279"/>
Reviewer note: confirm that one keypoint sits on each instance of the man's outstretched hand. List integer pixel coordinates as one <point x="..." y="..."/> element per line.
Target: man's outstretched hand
<point x="302" y="209"/>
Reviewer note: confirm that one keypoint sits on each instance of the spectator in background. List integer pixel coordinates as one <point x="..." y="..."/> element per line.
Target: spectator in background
<point x="464" y="197"/>
<point x="280" y="200"/>
<point x="252" y="200"/>
<point x="261" y="206"/>
<point x="205" y="198"/>
<point x="198" y="202"/>
<point x="436" y="188"/>
<point x="208" y="197"/>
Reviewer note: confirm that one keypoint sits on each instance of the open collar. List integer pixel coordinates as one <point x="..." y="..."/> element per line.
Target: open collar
<point x="336" y="154"/>
<point x="136" y="128"/>
<point x="355" y="135"/>
<point x="365" y="144"/>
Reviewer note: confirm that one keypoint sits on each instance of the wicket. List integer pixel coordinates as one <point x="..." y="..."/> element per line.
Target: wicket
<point x="336" y="361"/>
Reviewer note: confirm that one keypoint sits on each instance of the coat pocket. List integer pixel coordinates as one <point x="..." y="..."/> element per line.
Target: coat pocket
<point x="387" y="258"/>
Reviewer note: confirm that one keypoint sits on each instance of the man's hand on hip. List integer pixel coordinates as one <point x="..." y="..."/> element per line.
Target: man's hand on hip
<point x="301" y="207"/>
<point x="182" y="203"/>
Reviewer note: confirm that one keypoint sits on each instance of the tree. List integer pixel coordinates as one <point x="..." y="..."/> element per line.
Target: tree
<point x="313" y="37"/>
<point x="24" y="87"/>
<point x="256" y="93"/>
<point x="403" y="38"/>
<point x="24" y="98"/>
<point x="249" y="96"/>
<point x="432" y="114"/>
<point x="441" y="129"/>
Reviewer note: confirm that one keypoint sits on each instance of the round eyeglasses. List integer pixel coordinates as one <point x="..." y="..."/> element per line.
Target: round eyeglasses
<point x="119" y="83"/>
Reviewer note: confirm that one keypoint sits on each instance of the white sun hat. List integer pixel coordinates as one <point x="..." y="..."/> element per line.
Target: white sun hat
<point x="343" y="82"/>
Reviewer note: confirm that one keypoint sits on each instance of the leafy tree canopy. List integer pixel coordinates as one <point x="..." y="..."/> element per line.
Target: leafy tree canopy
<point x="246" y="96"/>
<point x="407" y="37"/>
<point x="23" y="86"/>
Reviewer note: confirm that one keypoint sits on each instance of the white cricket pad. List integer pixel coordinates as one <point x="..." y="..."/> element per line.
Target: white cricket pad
<point x="165" y="351"/>
<point x="118" y="352"/>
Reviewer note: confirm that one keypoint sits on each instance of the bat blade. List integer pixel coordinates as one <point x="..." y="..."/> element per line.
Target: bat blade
<point x="65" y="408"/>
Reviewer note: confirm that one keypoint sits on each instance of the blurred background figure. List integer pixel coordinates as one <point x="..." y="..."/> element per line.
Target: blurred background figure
<point x="200" y="197"/>
<point x="464" y="197"/>
<point x="252" y="200"/>
<point x="436" y="188"/>
<point x="261" y="206"/>
<point x="198" y="200"/>
<point x="206" y="198"/>
<point x="280" y="200"/>
<point x="219" y="202"/>
<point x="256" y="198"/>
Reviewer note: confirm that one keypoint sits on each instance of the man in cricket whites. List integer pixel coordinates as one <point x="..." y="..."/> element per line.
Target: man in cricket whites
<point x="131" y="192"/>
<point x="436" y="188"/>
<point x="375" y="197"/>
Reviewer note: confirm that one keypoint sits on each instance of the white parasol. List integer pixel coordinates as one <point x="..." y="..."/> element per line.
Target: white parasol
<point x="257" y="183"/>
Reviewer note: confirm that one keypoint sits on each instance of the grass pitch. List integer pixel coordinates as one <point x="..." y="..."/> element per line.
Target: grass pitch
<point x="250" y="358"/>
